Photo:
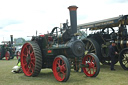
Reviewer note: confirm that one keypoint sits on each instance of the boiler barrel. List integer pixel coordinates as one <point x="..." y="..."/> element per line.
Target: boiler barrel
<point x="122" y="44"/>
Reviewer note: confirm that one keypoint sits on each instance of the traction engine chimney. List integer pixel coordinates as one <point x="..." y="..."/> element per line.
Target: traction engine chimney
<point x="73" y="19"/>
<point x="11" y="39"/>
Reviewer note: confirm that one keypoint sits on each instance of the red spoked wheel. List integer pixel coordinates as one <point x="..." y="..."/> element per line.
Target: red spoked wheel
<point x="7" y="55"/>
<point x="17" y="54"/>
<point x="92" y="65"/>
<point x="61" y="68"/>
<point x="31" y="59"/>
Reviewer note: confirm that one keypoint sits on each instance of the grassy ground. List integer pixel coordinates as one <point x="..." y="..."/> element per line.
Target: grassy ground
<point x="46" y="77"/>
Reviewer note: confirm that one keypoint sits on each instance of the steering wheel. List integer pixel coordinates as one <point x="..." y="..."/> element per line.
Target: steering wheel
<point x="107" y="30"/>
<point x="54" y="31"/>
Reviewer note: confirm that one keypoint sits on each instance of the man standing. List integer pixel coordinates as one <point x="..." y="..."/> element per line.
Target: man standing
<point x="112" y="53"/>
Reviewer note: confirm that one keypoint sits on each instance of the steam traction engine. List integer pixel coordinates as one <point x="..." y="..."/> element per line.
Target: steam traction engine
<point x="103" y="32"/>
<point x="7" y="50"/>
<point x="54" y="50"/>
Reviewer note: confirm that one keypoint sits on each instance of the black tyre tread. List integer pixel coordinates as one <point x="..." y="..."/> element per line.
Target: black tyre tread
<point x="68" y="68"/>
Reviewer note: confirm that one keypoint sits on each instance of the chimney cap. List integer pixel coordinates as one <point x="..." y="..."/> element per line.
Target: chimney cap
<point x="72" y="8"/>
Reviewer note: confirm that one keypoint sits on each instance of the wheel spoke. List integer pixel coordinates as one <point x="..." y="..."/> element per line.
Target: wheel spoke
<point x="87" y="44"/>
<point x="32" y="54"/>
<point x="58" y="63"/>
<point x="24" y="55"/>
<point x="94" y="69"/>
<point x="31" y="68"/>
<point x="92" y="59"/>
<point x="63" y="68"/>
<point x="32" y="63"/>
<point x="90" y="46"/>
<point x="89" y="59"/>
<point x="58" y="73"/>
<point x="92" y="51"/>
<point x="25" y="64"/>
<point x="63" y="74"/>
<point x="124" y="60"/>
<point x="86" y="59"/>
<point x="125" y="55"/>
<point x="28" y="71"/>
<point x="88" y="69"/>
<point x="29" y="49"/>
<point x="26" y="49"/>
<point x="32" y="59"/>
<point x="125" y="63"/>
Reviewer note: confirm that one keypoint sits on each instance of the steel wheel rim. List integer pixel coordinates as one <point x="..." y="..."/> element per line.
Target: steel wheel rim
<point x="124" y="58"/>
<point x="59" y="69"/>
<point x="27" y="59"/>
<point x="7" y="55"/>
<point x="91" y="63"/>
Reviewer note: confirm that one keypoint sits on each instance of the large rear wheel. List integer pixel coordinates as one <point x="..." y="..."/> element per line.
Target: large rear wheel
<point x="31" y="59"/>
<point x="92" y="65"/>
<point x="61" y="68"/>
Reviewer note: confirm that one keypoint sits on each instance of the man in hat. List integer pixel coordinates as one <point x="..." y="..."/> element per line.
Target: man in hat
<point x="112" y="53"/>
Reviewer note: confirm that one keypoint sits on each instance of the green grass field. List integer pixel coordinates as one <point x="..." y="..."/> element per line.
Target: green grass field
<point x="46" y="77"/>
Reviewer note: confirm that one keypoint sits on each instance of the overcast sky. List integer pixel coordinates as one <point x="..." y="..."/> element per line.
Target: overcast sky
<point x="21" y="18"/>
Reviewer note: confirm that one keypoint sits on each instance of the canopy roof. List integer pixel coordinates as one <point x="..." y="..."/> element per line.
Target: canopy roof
<point x="106" y="23"/>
